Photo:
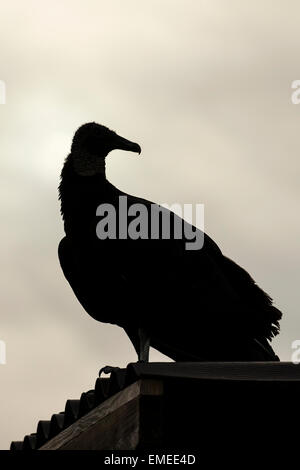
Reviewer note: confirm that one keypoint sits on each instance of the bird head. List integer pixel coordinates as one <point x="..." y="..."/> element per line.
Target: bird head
<point x="92" y="139"/>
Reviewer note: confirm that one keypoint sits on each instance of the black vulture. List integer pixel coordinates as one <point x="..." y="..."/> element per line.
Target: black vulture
<point x="191" y="305"/>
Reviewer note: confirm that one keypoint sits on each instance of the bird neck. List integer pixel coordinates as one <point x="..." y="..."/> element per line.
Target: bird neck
<point x="79" y="188"/>
<point x="88" y="164"/>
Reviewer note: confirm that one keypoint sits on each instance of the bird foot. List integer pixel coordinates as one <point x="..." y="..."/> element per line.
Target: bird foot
<point x="108" y="370"/>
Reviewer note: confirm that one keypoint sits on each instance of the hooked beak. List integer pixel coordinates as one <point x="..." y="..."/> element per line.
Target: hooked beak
<point x="123" y="144"/>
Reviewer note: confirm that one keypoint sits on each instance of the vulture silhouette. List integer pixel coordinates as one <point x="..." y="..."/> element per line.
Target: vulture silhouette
<point x="191" y="305"/>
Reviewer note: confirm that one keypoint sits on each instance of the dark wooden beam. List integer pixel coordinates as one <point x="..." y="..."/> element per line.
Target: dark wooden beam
<point x="188" y="406"/>
<point x="123" y="422"/>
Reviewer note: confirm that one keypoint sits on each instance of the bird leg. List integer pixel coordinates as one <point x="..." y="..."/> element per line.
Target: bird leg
<point x="140" y="340"/>
<point x="144" y="345"/>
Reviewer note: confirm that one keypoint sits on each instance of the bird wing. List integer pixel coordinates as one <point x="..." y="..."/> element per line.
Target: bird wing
<point x="188" y="300"/>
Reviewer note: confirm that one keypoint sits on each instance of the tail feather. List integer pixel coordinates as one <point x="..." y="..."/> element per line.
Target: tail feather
<point x="266" y="317"/>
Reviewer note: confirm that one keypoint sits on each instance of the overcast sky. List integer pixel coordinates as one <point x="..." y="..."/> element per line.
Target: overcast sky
<point x="205" y="88"/>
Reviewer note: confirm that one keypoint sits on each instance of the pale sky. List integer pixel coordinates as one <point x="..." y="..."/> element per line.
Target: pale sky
<point x="205" y="88"/>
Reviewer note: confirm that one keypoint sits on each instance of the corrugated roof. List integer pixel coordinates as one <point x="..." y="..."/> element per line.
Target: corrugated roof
<point x="120" y="378"/>
<point x="75" y="409"/>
